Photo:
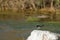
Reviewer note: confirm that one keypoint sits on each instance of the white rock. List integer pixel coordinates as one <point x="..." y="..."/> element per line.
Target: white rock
<point x="42" y="35"/>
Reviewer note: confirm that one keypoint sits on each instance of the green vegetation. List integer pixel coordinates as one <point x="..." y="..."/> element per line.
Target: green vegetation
<point x="20" y="10"/>
<point x="32" y="19"/>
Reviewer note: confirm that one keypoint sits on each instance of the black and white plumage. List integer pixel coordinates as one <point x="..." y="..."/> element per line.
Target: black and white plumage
<point x="39" y="26"/>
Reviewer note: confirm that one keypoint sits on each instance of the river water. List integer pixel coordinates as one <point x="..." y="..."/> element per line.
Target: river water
<point x="16" y="30"/>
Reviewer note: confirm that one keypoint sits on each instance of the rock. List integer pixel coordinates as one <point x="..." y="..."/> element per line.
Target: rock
<point x="42" y="35"/>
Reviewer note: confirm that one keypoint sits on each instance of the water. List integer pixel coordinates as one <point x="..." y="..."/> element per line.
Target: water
<point x="17" y="25"/>
<point x="9" y="30"/>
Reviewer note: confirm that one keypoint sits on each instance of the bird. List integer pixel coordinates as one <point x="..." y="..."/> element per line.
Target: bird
<point x="39" y="26"/>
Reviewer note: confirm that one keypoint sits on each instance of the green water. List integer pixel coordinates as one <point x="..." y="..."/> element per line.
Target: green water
<point x="7" y="26"/>
<point x="17" y="25"/>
